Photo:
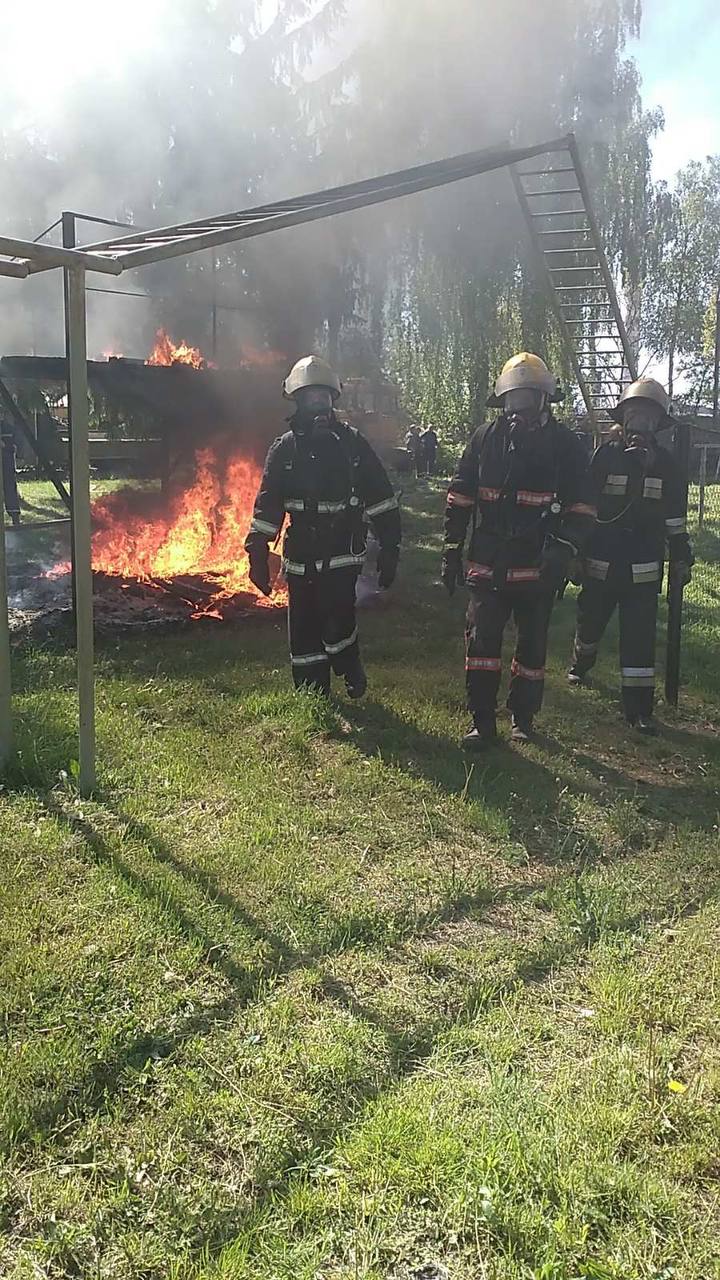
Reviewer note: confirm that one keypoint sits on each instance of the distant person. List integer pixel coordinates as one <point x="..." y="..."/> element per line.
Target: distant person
<point x="523" y="487"/>
<point x="413" y="444"/>
<point x="429" y="442"/>
<point x="328" y="478"/>
<point x="9" y="474"/>
<point x="641" y="508"/>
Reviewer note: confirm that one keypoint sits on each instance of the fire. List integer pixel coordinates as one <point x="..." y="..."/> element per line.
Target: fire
<point x="166" y="352"/>
<point x="260" y="357"/>
<point x="200" y="532"/>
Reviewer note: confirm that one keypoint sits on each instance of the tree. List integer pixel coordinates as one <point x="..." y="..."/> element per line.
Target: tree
<point x="681" y="286"/>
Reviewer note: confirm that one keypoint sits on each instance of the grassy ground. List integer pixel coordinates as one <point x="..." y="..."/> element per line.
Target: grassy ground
<point x="300" y="996"/>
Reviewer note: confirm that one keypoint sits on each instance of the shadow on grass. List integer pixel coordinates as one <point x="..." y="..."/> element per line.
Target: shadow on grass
<point x="409" y="1047"/>
<point x="92" y="1090"/>
<point x="502" y="779"/>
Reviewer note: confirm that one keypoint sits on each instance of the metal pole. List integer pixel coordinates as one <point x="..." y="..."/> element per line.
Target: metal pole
<point x="716" y="378"/>
<point x="68" y="231"/>
<point x="17" y="270"/>
<point x="213" y="344"/>
<point x="703" y="483"/>
<point x="78" y="417"/>
<point x="43" y="256"/>
<point x="5" y="683"/>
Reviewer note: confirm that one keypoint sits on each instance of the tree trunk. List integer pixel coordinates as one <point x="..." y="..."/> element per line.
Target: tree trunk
<point x="676" y="321"/>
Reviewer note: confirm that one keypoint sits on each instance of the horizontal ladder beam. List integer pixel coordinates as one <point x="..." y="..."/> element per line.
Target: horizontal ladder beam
<point x="558" y="213"/>
<point x="543" y="173"/>
<point x="560" y="191"/>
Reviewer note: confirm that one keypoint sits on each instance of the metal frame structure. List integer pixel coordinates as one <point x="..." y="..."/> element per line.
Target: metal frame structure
<point x="19" y="258"/>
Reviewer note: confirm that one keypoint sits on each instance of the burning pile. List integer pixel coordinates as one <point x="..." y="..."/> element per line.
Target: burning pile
<point x="173" y="558"/>
<point x="191" y="547"/>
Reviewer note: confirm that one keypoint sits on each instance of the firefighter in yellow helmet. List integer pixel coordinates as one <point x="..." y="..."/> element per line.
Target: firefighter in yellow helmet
<point x="641" y="511"/>
<point x="522" y="485"/>
<point x="328" y="480"/>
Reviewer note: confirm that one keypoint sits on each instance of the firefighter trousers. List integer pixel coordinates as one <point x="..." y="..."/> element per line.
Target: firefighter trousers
<point x="638" y="606"/>
<point x="321" y="626"/>
<point x="489" y="611"/>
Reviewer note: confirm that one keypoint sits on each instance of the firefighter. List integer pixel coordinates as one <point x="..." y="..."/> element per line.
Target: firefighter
<point x="641" y="507"/>
<point x="328" y="479"/>
<point x="9" y="474"/>
<point x="523" y="482"/>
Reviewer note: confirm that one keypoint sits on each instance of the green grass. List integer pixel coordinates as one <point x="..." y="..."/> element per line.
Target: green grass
<point x="301" y="996"/>
<point x="39" y="500"/>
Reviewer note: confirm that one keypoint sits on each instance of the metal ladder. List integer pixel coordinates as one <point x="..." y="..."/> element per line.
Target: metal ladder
<point x="555" y="200"/>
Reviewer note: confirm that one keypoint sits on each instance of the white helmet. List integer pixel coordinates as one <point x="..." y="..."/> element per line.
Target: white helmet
<point x="312" y="371"/>
<point x="642" y="389"/>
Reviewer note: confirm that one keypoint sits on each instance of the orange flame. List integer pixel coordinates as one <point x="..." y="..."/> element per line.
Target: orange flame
<point x="201" y="532"/>
<point x="252" y="357"/>
<point x="166" y="352"/>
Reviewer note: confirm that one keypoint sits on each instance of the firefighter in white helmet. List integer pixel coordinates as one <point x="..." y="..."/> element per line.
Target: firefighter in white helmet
<point x="326" y="477"/>
<point x="522" y="485"/>
<point x="641" y="510"/>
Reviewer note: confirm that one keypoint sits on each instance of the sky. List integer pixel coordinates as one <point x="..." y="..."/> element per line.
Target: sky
<point x="678" y="54"/>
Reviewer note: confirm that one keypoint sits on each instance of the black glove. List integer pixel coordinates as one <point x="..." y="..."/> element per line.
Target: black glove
<point x="452" y="573"/>
<point x="387" y="563"/>
<point x="260" y="569"/>
<point x="555" y="564"/>
<point x="575" y="571"/>
<point x="680" y="573"/>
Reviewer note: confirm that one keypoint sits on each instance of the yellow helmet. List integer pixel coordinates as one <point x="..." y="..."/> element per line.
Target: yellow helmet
<point x="312" y="371"/>
<point x="526" y="370"/>
<point x="642" y="389"/>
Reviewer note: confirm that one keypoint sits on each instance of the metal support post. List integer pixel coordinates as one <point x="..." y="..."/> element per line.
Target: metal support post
<point x="78" y="416"/>
<point x="703" y="485"/>
<point x="5" y="683"/>
<point x="213" y="341"/>
<point x="716" y="365"/>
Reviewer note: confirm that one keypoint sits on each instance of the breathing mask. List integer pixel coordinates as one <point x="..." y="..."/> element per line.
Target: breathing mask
<point x="641" y="419"/>
<point x="314" y="409"/>
<point x="524" y="409"/>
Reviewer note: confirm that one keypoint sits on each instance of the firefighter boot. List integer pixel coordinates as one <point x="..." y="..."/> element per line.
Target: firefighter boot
<point x="522" y="729"/>
<point x="578" y="679"/>
<point x="482" y="735"/>
<point x="356" y="680"/>
<point x="646" y="726"/>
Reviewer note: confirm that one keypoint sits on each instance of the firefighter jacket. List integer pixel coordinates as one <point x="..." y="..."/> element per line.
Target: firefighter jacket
<point x="641" y="509"/>
<point x="519" y="493"/>
<point x="328" y="483"/>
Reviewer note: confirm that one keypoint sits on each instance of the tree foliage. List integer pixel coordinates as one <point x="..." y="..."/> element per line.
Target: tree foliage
<point x="681" y="285"/>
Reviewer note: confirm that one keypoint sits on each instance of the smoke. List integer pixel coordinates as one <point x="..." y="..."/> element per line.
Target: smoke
<point x="212" y="111"/>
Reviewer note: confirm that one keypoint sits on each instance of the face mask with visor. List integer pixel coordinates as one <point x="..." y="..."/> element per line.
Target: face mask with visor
<point x="314" y="408"/>
<point x="641" y="420"/>
<point x="524" y="406"/>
